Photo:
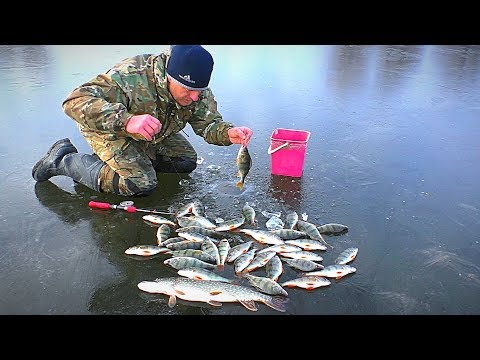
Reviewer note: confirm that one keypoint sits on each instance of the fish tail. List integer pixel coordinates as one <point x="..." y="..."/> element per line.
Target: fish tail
<point x="323" y="240"/>
<point x="236" y="281"/>
<point x="240" y="185"/>
<point x="277" y="303"/>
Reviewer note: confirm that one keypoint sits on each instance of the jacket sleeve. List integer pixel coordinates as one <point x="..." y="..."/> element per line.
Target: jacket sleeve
<point x="208" y="122"/>
<point x="99" y="105"/>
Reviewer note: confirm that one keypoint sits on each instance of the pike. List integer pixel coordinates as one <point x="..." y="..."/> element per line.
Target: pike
<point x="211" y="292"/>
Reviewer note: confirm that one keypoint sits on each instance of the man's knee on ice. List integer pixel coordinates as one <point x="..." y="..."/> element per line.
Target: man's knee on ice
<point x="129" y="187"/>
<point x="180" y="164"/>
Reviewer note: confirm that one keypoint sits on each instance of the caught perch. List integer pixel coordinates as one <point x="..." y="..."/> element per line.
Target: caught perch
<point x="244" y="163"/>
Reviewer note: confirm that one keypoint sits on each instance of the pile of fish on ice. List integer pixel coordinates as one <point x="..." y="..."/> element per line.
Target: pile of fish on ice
<point x="200" y="249"/>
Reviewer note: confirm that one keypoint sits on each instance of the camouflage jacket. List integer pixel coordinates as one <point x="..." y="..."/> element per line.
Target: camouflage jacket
<point x="138" y="85"/>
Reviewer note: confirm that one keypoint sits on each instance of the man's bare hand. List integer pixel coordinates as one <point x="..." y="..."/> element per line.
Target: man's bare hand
<point x="240" y="135"/>
<point x="145" y="125"/>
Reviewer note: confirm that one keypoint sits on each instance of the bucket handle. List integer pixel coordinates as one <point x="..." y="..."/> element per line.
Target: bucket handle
<point x="270" y="151"/>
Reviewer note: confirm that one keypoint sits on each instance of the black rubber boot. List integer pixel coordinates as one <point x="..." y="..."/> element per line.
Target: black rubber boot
<point x="82" y="168"/>
<point x="181" y="164"/>
<point x="47" y="166"/>
<point x="62" y="160"/>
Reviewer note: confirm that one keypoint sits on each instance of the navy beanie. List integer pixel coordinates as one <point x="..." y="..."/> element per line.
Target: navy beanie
<point x="191" y="66"/>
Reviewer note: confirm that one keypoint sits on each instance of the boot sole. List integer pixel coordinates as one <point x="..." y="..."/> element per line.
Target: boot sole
<point x="39" y="162"/>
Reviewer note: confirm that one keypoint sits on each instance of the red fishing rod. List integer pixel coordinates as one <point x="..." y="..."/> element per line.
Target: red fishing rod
<point x="124" y="205"/>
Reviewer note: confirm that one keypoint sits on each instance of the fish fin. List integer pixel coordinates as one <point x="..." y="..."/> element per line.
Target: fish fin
<point x="214" y="303"/>
<point x="172" y="300"/>
<point x="179" y="292"/>
<point x="220" y="267"/>
<point x="323" y="240"/>
<point x="277" y="303"/>
<point x="240" y="274"/>
<point x="240" y="185"/>
<point x="249" y="304"/>
<point x="236" y="281"/>
<point x="215" y="292"/>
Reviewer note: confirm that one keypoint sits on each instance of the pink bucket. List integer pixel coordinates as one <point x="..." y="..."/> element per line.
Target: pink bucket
<point x="287" y="150"/>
